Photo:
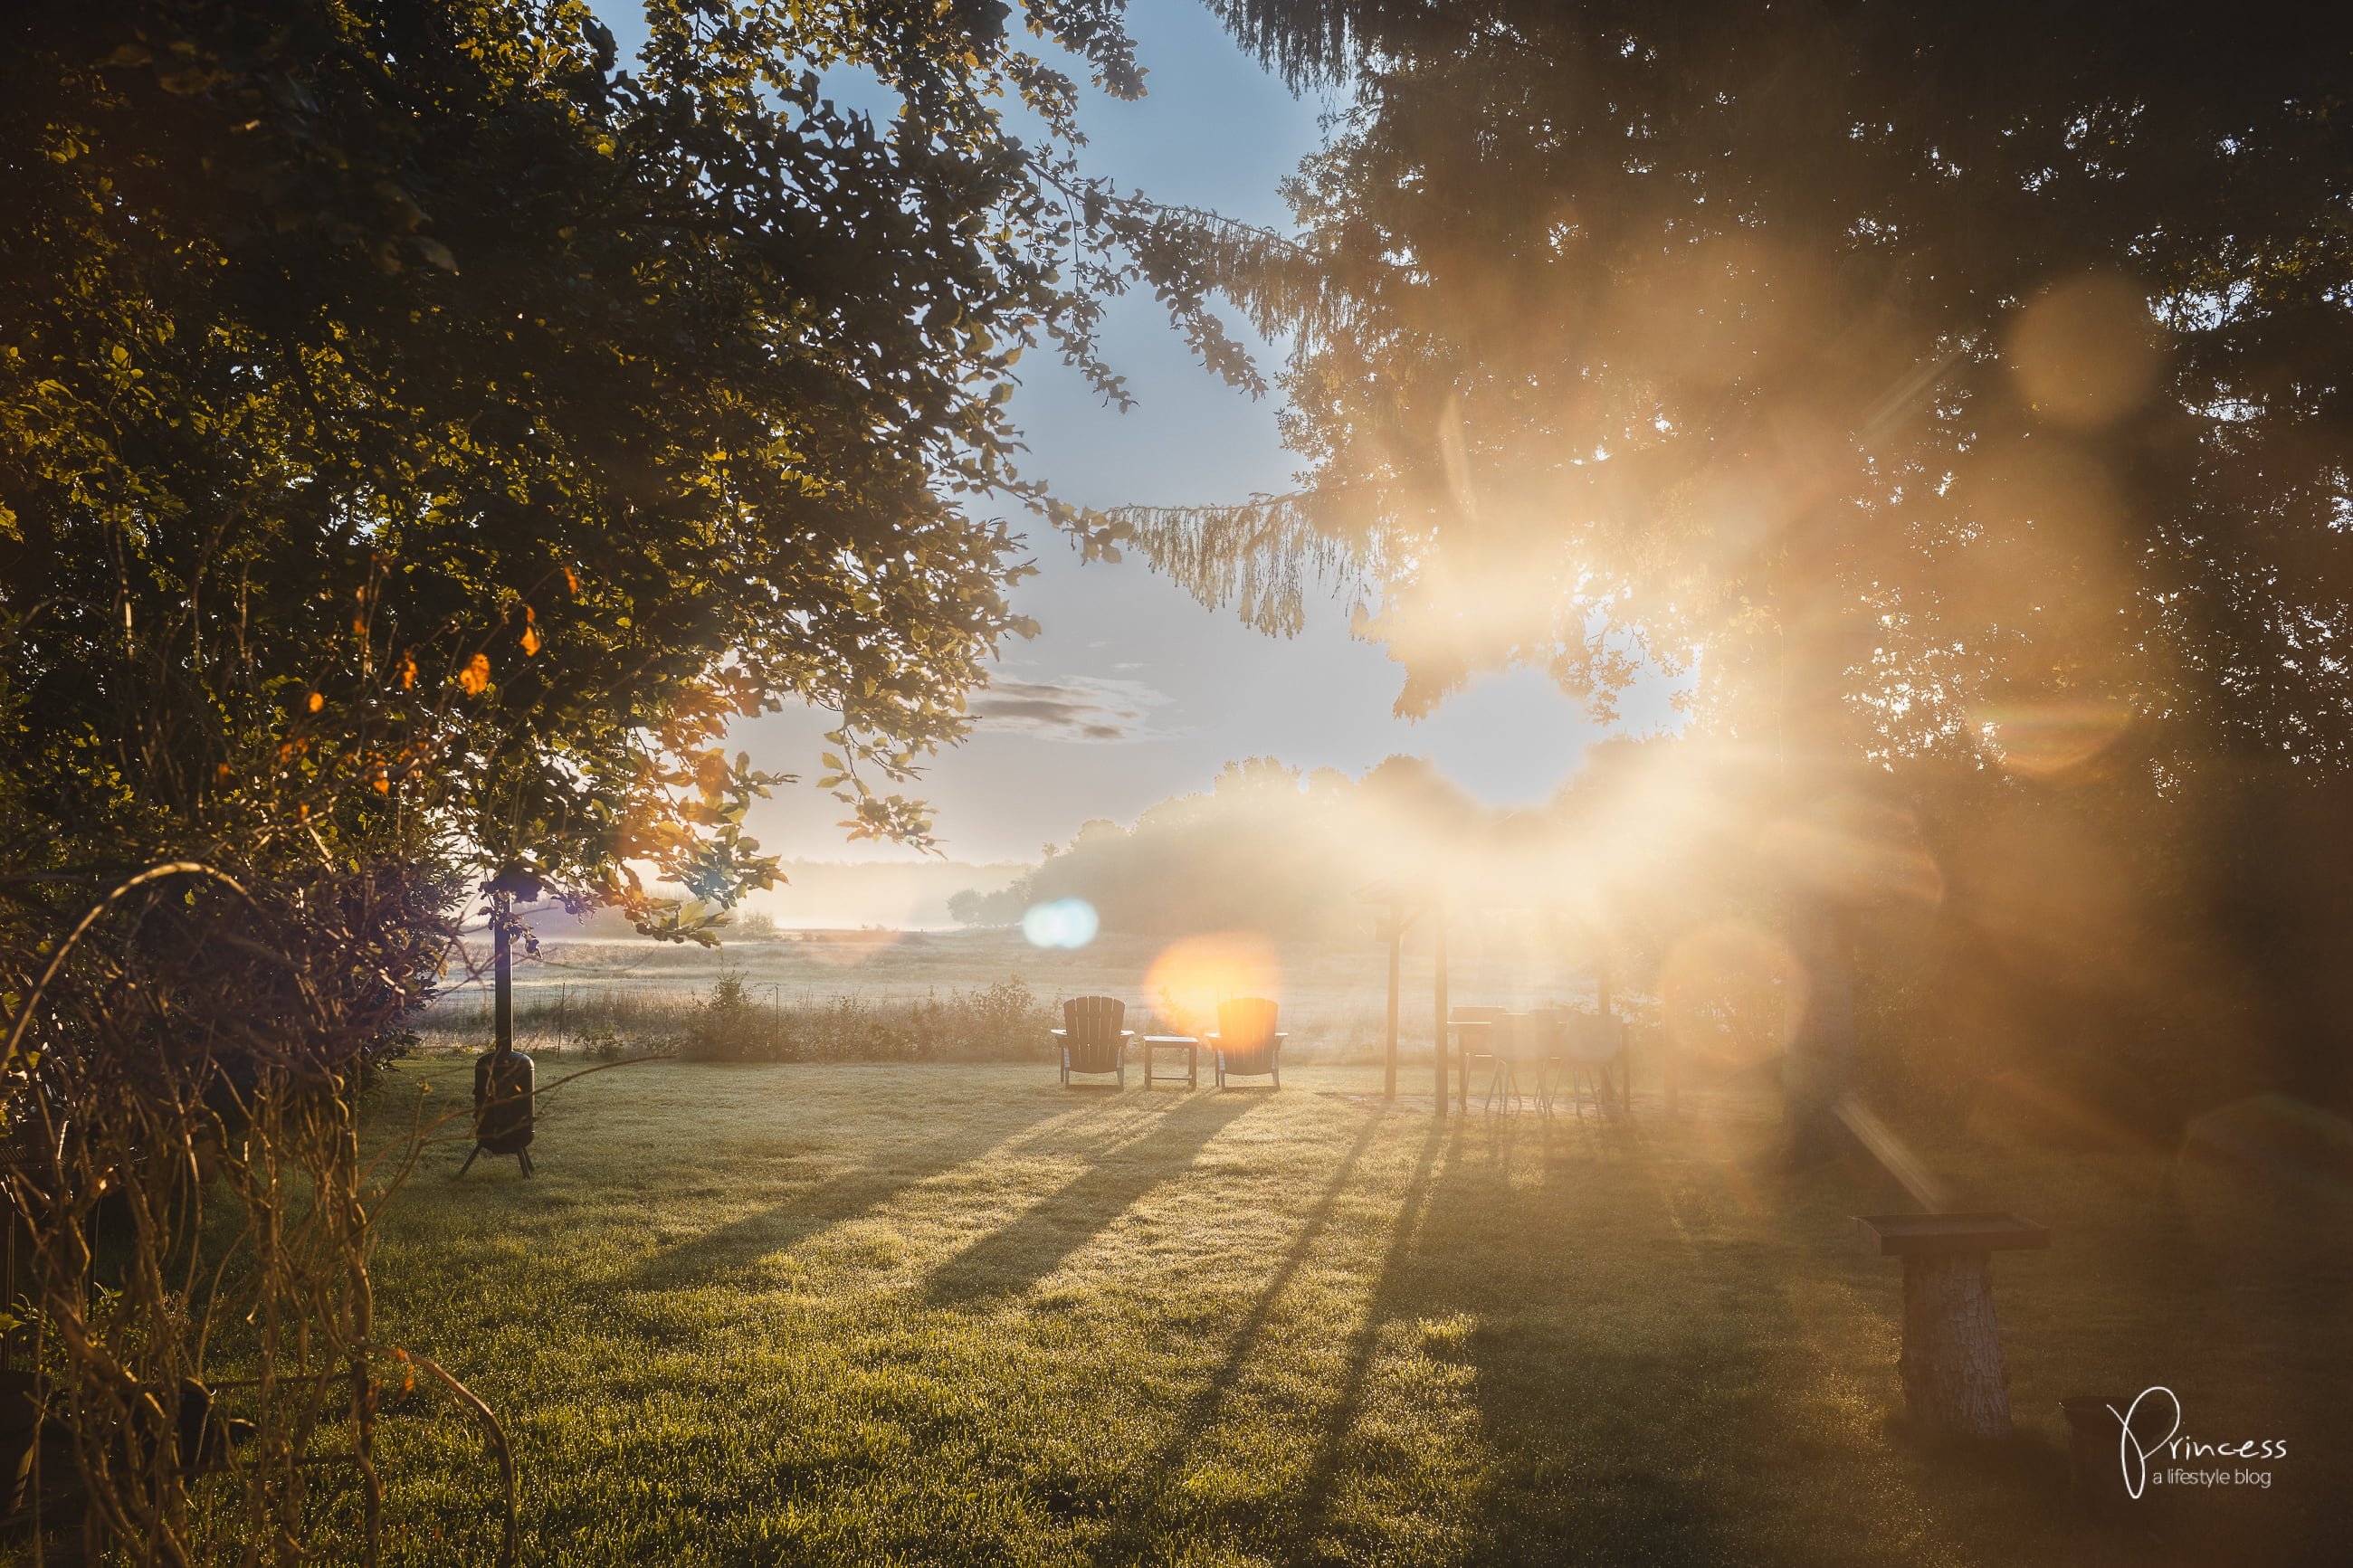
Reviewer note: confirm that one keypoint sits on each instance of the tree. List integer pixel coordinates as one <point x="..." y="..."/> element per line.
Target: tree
<point x="1925" y="383"/>
<point x="995" y="907"/>
<point x="418" y="439"/>
<point x="594" y="409"/>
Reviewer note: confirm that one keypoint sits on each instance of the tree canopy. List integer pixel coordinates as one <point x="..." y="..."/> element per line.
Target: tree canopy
<point x="1918" y="375"/>
<point x="420" y="437"/>
<point x="407" y="401"/>
<point x="1947" y="395"/>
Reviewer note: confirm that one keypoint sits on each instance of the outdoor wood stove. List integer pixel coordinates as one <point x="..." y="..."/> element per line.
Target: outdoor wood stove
<point x="504" y="1076"/>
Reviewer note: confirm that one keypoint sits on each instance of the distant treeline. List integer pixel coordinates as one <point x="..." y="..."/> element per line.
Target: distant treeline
<point x="1266" y="848"/>
<point x="2099" y="950"/>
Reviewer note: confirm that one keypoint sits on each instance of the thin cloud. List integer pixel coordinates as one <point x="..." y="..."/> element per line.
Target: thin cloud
<point x="1083" y="709"/>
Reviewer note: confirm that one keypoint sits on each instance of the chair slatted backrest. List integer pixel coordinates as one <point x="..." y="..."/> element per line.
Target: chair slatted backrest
<point x="1246" y="1033"/>
<point x="1090" y="1027"/>
<point x="1589" y="1039"/>
<point x="1475" y="1042"/>
<point x="1528" y="1036"/>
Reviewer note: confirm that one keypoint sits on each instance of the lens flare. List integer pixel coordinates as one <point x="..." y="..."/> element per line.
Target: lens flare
<point x="1064" y="922"/>
<point x="1893" y="1154"/>
<point x="1729" y="995"/>
<point x="2086" y="352"/>
<point x="2270" y="1161"/>
<point x="1860" y="850"/>
<point x="2051" y="740"/>
<point x="1195" y="973"/>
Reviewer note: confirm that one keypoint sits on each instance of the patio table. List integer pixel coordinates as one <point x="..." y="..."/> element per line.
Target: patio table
<point x="1189" y="1044"/>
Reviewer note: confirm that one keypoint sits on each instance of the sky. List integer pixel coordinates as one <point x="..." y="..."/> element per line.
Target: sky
<point x="1132" y="691"/>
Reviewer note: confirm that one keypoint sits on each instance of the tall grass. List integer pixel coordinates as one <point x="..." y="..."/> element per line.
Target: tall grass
<point x="734" y="1021"/>
<point x="741" y="1018"/>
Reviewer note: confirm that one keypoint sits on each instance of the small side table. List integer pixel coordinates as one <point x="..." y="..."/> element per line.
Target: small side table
<point x="1188" y="1044"/>
<point x="1951" y="1361"/>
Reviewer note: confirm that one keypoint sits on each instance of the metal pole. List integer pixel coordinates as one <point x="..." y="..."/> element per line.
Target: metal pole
<point x="501" y="977"/>
<point x="1438" y="940"/>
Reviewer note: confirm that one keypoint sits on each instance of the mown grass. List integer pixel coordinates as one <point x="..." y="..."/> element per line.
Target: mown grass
<point x="960" y="1315"/>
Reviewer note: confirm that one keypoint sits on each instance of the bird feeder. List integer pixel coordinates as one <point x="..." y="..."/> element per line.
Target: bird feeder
<point x="1951" y="1362"/>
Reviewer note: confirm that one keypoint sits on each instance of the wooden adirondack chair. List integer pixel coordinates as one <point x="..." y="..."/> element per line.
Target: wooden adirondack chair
<point x="1525" y="1046"/>
<point x="1246" y="1042"/>
<point x="1590" y="1049"/>
<point x="1470" y="1035"/>
<point x="1092" y="1039"/>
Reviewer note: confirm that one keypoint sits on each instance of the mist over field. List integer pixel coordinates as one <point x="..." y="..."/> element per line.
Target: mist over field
<point x="903" y="895"/>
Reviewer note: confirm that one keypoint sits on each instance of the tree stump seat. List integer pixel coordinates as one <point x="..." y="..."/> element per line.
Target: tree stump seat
<point x="1951" y="1363"/>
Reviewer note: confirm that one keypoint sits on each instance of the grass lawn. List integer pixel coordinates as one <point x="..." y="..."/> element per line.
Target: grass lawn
<point x="959" y="1314"/>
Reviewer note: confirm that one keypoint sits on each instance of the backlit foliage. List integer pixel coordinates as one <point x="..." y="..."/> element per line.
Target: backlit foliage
<point x="1906" y="374"/>
<point x="420" y="437"/>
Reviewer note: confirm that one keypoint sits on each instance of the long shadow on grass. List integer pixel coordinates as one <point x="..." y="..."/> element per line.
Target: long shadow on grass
<point x="1012" y="1259"/>
<point x="1139" y="1519"/>
<point x="1597" y="1377"/>
<point x="890" y="1171"/>
<point x="1323" y="1475"/>
<point x="1638" y="1375"/>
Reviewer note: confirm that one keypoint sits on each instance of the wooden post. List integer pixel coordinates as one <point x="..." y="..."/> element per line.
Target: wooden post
<point x="1605" y="987"/>
<point x="1397" y="953"/>
<point x="1818" y="1064"/>
<point x="1671" y="1069"/>
<point x="1437" y="940"/>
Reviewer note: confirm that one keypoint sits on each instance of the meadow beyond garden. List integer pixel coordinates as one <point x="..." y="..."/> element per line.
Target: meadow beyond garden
<point x="865" y="1313"/>
<point x="983" y="994"/>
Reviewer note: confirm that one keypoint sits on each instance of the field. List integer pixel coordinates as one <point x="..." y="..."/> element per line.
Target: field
<point x="638" y="993"/>
<point x="861" y="1314"/>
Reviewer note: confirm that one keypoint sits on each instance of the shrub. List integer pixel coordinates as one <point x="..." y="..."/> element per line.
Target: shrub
<point x="728" y="1026"/>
